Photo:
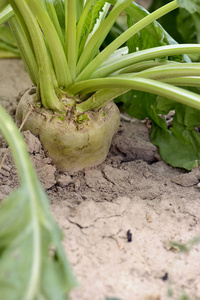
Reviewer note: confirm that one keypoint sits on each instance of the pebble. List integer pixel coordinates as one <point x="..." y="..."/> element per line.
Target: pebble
<point x="64" y="180"/>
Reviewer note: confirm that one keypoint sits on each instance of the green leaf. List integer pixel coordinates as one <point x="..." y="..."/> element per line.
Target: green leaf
<point x="90" y="21"/>
<point x="8" y="45"/>
<point x="60" y="12"/>
<point x="55" y="20"/>
<point x="130" y="42"/>
<point x="188" y="26"/>
<point x="32" y="261"/>
<point x="168" y="21"/>
<point x="192" y="6"/>
<point x="115" y="31"/>
<point x="179" y="146"/>
<point x="142" y="105"/>
<point x="182" y="25"/>
<point x="79" y="8"/>
<point x="6" y="14"/>
<point x="97" y="39"/>
<point x="155" y="30"/>
<point x="38" y="12"/>
<point x="26" y="51"/>
<point x="143" y="40"/>
<point x="3" y="4"/>
<point x="6" y="35"/>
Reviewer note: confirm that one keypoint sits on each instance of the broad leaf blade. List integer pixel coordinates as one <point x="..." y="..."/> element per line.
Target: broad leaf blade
<point x="179" y="146"/>
<point x="143" y="40"/>
<point x="188" y="26"/>
<point x="192" y="6"/>
<point x="92" y="17"/>
<point x="32" y="264"/>
<point x="142" y="105"/>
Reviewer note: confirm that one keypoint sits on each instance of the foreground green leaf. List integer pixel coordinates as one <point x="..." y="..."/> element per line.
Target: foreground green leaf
<point x="32" y="261"/>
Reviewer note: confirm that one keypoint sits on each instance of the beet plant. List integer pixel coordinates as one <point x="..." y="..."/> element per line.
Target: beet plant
<point x="76" y="80"/>
<point x="72" y="111"/>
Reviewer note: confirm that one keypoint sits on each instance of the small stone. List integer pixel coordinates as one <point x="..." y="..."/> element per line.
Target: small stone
<point x="64" y="180"/>
<point x="77" y="184"/>
<point x="152" y="297"/>
<point x="148" y="218"/>
<point x="147" y="174"/>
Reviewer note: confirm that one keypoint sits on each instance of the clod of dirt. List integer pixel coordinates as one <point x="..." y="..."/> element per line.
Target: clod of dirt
<point x="44" y="168"/>
<point x="188" y="179"/>
<point x="116" y="176"/>
<point x="46" y="175"/>
<point x="64" y="180"/>
<point x="95" y="178"/>
<point x="132" y="143"/>
<point x="33" y="143"/>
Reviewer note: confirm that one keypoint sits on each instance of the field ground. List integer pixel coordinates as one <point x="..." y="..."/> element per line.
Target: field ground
<point x="132" y="190"/>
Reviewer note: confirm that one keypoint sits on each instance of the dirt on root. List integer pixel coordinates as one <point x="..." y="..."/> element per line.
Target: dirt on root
<point x="132" y="190"/>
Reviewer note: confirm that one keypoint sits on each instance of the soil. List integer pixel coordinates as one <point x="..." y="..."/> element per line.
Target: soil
<point x="133" y="190"/>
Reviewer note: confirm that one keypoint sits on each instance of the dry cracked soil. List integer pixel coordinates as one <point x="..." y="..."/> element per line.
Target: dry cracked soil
<point x="133" y="190"/>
